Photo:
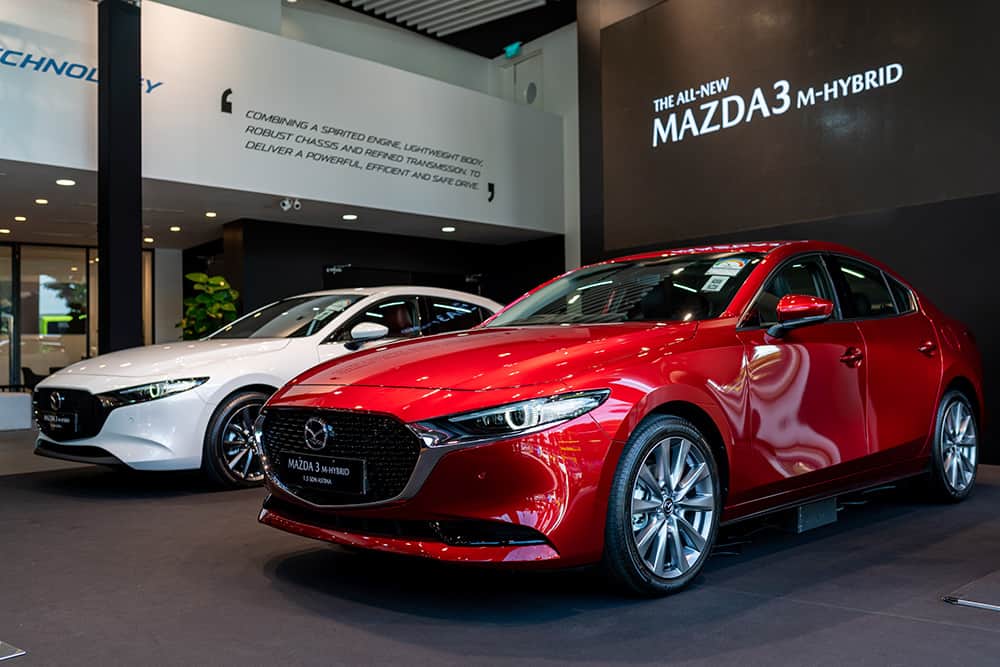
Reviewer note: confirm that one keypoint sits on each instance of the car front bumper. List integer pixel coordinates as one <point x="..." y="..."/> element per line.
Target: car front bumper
<point x="165" y="434"/>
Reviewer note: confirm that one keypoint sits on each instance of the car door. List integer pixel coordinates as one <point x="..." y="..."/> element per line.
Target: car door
<point x="400" y="314"/>
<point x="806" y="389"/>
<point x="902" y="358"/>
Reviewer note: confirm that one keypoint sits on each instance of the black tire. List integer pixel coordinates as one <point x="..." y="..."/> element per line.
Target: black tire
<point x="943" y="484"/>
<point x="243" y="407"/>
<point x="627" y="567"/>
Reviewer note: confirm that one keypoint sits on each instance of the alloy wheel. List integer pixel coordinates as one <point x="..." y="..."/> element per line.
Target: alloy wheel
<point x="959" y="451"/>
<point x="673" y="507"/>
<point x="238" y="452"/>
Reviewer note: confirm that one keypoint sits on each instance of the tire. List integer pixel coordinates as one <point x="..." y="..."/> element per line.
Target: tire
<point x="955" y="449"/>
<point x="228" y="457"/>
<point x="656" y="543"/>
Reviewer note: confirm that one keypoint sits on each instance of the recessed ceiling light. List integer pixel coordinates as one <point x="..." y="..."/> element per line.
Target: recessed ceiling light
<point x="175" y="228"/>
<point x="210" y="214"/>
<point x="4" y="231"/>
<point x="20" y="218"/>
<point x="148" y="239"/>
<point x="349" y="216"/>
<point x="73" y="268"/>
<point x="447" y="230"/>
<point x="67" y="182"/>
<point x="41" y="202"/>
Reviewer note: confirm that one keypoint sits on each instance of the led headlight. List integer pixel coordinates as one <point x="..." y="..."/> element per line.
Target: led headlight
<point x="149" y="392"/>
<point x="509" y="420"/>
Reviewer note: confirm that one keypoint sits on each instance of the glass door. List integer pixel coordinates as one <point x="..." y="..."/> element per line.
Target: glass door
<point x="53" y="310"/>
<point x="7" y="375"/>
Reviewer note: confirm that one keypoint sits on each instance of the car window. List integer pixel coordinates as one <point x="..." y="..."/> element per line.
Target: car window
<point x="444" y="315"/>
<point x="863" y="289"/>
<point x="401" y="315"/>
<point x="806" y="277"/>
<point x="904" y="297"/>
<point x="674" y="288"/>
<point x="289" y="318"/>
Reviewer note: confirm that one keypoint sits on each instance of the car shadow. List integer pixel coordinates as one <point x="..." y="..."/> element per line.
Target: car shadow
<point x="101" y="483"/>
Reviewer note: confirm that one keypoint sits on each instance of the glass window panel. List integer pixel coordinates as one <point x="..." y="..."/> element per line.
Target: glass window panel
<point x="54" y="308"/>
<point x="93" y="290"/>
<point x="6" y="314"/>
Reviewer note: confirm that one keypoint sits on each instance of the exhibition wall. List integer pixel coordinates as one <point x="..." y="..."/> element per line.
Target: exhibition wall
<point x="298" y="120"/>
<point x="886" y="143"/>
<point x="266" y="261"/>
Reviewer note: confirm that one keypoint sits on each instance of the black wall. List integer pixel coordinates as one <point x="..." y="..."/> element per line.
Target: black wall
<point x="267" y="261"/>
<point x="944" y="242"/>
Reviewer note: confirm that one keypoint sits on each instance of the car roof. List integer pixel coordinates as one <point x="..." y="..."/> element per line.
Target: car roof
<point x="398" y="290"/>
<point x="764" y="247"/>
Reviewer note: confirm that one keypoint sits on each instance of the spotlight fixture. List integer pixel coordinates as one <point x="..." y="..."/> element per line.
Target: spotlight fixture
<point x="73" y="269"/>
<point x="41" y="202"/>
<point x="210" y="214"/>
<point x="66" y="182"/>
<point x="20" y="218"/>
<point x="447" y="230"/>
<point x="175" y="228"/>
<point x="349" y="216"/>
<point x="4" y="231"/>
<point x="148" y="239"/>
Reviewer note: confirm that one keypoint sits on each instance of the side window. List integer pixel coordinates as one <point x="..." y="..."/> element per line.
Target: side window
<point x="400" y="314"/>
<point x="444" y="315"/>
<point x="864" y="292"/>
<point x="903" y="296"/>
<point x="802" y="276"/>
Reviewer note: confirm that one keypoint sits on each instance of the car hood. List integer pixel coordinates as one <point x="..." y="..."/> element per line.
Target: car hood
<point x="172" y="360"/>
<point x="497" y="358"/>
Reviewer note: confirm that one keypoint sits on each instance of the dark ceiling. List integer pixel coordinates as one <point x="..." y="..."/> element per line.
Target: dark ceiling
<point x="489" y="39"/>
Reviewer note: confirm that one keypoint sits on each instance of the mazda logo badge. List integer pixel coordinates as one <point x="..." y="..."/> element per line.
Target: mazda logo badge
<point x="55" y="400"/>
<point x="317" y="432"/>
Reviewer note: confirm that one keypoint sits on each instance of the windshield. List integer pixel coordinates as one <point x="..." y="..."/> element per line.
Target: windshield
<point x="289" y="318"/>
<point x="680" y="288"/>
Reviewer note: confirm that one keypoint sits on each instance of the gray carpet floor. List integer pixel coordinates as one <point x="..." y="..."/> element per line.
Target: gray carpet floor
<point x="99" y="567"/>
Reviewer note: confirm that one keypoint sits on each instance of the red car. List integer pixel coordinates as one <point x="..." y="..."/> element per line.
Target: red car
<point x="623" y="411"/>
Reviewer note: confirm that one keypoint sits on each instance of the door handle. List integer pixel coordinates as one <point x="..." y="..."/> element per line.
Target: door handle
<point x="927" y="348"/>
<point x="852" y="357"/>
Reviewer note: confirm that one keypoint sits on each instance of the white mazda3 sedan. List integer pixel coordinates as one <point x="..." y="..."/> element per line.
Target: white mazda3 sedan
<point x="190" y="405"/>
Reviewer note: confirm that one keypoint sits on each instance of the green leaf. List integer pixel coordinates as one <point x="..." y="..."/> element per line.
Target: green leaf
<point x="197" y="277"/>
<point x="203" y="298"/>
<point x="228" y="307"/>
<point x="218" y="281"/>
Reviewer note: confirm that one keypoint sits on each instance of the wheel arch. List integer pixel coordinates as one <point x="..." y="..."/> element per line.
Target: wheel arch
<point x="700" y="417"/>
<point x="967" y="387"/>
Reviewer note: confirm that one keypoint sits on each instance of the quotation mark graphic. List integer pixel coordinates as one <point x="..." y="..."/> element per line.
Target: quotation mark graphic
<point x="493" y="192"/>
<point x="227" y="106"/>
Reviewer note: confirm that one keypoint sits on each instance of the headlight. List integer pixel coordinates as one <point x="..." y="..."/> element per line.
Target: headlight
<point x="509" y="420"/>
<point x="149" y="392"/>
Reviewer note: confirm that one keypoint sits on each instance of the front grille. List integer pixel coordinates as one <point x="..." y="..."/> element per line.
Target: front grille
<point x="387" y="446"/>
<point x="90" y="415"/>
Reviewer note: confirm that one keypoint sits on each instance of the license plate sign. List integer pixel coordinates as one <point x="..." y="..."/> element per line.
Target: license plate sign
<point x="326" y="473"/>
<point x="58" y="422"/>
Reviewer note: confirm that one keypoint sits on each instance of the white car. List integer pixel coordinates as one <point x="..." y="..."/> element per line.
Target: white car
<point x="192" y="404"/>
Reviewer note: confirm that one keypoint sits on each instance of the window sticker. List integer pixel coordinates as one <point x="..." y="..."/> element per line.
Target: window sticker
<point x="726" y="267"/>
<point x="714" y="284"/>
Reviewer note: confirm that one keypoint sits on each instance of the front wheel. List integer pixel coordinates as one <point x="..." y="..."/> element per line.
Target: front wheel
<point x="955" y="450"/>
<point x="664" y="507"/>
<point x="229" y="458"/>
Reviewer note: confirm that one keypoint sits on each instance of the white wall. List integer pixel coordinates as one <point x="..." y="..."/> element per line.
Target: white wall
<point x="560" y="96"/>
<point x="258" y="14"/>
<point x="338" y="28"/>
<point x="168" y="265"/>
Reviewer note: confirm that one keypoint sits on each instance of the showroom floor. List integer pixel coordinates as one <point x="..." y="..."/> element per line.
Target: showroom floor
<point x="99" y="567"/>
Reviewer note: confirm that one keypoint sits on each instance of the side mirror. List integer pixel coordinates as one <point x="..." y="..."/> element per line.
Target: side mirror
<point x="365" y="331"/>
<point x="796" y="310"/>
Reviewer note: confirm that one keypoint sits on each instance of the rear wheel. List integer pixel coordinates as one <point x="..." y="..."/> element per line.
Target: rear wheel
<point x="229" y="458"/>
<point x="664" y="508"/>
<point x="955" y="451"/>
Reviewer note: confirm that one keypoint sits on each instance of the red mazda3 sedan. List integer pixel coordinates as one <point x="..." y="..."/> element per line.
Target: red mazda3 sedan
<point x="621" y="412"/>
